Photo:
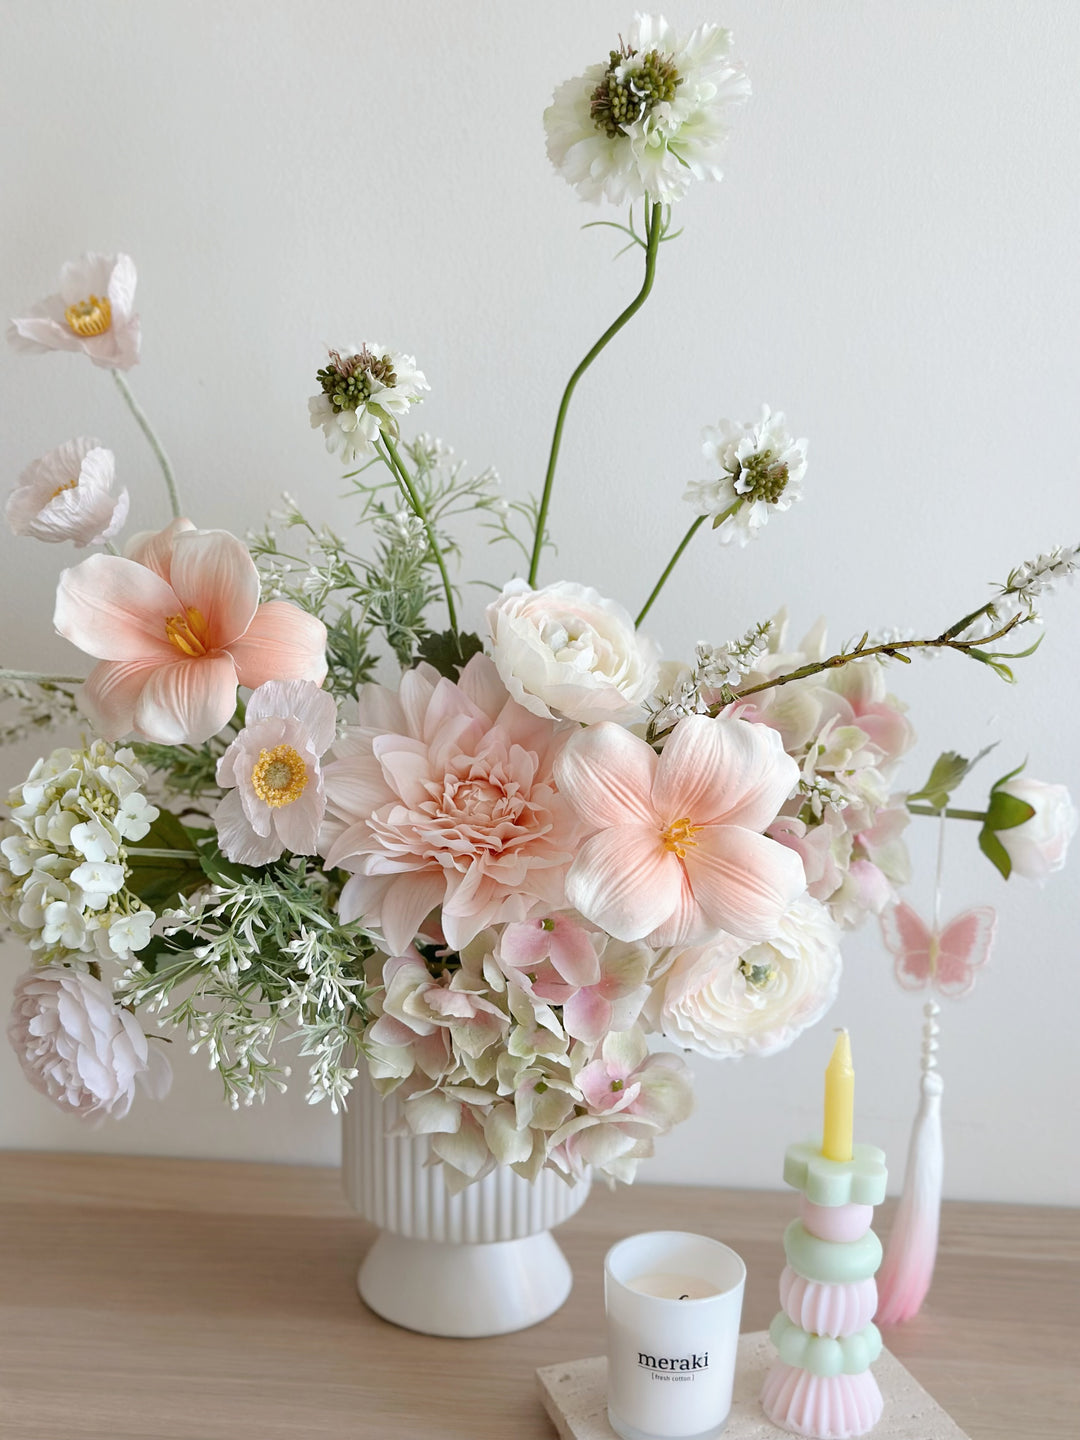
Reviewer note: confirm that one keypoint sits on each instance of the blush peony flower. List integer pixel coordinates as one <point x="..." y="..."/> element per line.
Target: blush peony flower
<point x="272" y="772"/>
<point x="651" y="119"/>
<point x="445" y="796"/>
<point x="91" y="312"/>
<point x="67" y="495"/>
<point x="724" y="1000"/>
<point x="363" y="393"/>
<point x="565" y="650"/>
<point x="176" y="631"/>
<point x="676" y="851"/>
<point x="78" y="1047"/>
<point x="761" y="469"/>
<point x="1038" y="846"/>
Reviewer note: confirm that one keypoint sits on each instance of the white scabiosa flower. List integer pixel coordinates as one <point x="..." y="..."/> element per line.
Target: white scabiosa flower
<point x="78" y="1047"/>
<point x="92" y="311"/>
<point x="67" y="495"/>
<point x="567" y="651"/>
<point x="761" y="469"/>
<point x="725" y="1000"/>
<point x="651" y="119"/>
<point x="363" y="391"/>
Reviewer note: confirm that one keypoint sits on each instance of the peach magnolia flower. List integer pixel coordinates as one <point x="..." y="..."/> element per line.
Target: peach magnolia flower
<point x="444" y="796"/>
<point x="92" y="312"/>
<point x="177" y="625"/>
<point x="278" y="801"/>
<point x="676" y="851"/>
<point x="67" y="495"/>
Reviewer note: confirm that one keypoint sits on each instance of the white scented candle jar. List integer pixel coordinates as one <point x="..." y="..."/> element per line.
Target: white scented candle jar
<point x="673" y="1303"/>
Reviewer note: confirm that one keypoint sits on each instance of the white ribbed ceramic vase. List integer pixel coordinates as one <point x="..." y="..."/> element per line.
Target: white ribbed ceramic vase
<point x="483" y="1262"/>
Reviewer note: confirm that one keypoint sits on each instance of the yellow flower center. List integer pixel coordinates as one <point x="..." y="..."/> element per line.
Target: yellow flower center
<point x="678" y="835"/>
<point x="279" y="776"/>
<point x="189" y="632"/>
<point x="67" y="485"/>
<point x="89" y="317"/>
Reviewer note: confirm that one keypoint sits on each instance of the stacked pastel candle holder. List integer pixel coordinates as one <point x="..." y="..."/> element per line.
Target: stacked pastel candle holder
<point x="821" y="1384"/>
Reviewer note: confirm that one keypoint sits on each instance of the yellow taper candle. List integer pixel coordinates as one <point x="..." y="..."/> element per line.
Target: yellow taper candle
<point x="839" y="1102"/>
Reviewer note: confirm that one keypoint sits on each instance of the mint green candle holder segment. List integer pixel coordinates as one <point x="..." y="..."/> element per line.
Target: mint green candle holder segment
<point x="831" y="1262"/>
<point x="858" y="1181"/>
<point x="825" y="1355"/>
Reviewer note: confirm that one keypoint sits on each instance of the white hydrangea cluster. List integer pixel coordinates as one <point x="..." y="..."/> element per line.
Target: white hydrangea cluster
<point x="63" y="862"/>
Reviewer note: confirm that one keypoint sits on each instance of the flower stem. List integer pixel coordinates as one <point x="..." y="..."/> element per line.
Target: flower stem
<point x="34" y="677"/>
<point x="683" y="543"/>
<point x="653" y="230"/>
<point x="143" y="852"/>
<point x="949" y="813"/>
<point x="155" y="444"/>
<point x="412" y="495"/>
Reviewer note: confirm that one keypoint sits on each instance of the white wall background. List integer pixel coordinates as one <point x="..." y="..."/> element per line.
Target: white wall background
<point x="891" y="259"/>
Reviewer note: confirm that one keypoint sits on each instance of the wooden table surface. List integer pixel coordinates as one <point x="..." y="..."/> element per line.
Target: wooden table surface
<point x="147" y="1299"/>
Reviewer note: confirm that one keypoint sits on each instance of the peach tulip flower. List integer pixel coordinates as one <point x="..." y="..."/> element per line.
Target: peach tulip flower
<point x="676" y="851"/>
<point x="177" y="625"/>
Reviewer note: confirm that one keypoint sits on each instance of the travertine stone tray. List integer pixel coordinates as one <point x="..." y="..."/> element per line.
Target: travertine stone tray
<point x="575" y="1397"/>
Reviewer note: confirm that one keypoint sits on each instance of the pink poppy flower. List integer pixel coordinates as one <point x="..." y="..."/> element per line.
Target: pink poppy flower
<point x="176" y="630"/>
<point x="676" y="851"/>
<point x="445" y="796"/>
<point x="278" y="801"/>
<point x="67" y="495"/>
<point x="91" y="312"/>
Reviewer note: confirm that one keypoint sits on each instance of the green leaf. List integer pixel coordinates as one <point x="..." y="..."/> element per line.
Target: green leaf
<point x="448" y="651"/>
<point x="949" y="769"/>
<point x="998" y="666"/>
<point x="159" y="881"/>
<point x="994" y="851"/>
<point x="1007" y="811"/>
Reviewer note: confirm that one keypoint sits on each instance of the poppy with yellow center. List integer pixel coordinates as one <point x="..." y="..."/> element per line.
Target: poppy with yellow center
<point x="90" y="317"/>
<point x="279" y="776"/>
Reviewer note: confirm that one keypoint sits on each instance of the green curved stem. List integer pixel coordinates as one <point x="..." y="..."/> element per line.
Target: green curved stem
<point x="155" y="444"/>
<point x="653" y="229"/>
<point x="409" y="490"/>
<point x="683" y="543"/>
<point x="949" y="813"/>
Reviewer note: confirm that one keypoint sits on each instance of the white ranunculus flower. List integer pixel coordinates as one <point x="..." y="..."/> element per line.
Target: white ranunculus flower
<point x="760" y="464"/>
<point x="93" y="311"/>
<point x="566" y="651"/>
<point x="650" y="119"/>
<point x="67" y="495"/>
<point x="363" y="391"/>
<point x="1038" y="847"/>
<point x="80" y="1048"/>
<point x="726" y="1001"/>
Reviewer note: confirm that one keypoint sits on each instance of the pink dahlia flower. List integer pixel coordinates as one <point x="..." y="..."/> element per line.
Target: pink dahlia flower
<point x="676" y="851"/>
<point x="445" y="796"/>
<point x="67" y="495"/>
<point x="92" y="311"/>
<point x="177" y="628"/>
<point x="272" y="772"/>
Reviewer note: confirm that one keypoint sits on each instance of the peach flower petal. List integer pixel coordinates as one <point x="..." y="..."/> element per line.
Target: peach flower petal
<point x="724" y="771"/>
<point x="609" y="772"/>
<point x="188" y="701"/>
<point x="114" y="609"/>
<point x="625" y="881"/>
<point x="282" y="642"/>
<point x="212" y="572"/>
<point x="154" y="548"/>
<point x="111" y="692"/>
<point x="743" y="881"/>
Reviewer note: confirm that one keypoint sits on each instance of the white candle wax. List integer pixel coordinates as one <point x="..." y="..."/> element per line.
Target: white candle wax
<point x="673" y="1287"/>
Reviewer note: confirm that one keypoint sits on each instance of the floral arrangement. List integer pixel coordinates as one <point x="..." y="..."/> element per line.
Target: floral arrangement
<point x="512" y="871"/>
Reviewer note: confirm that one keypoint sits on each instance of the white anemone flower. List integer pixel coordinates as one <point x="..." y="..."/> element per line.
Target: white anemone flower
<point x="760" y="465"/>
<point x="67" y="495"/>
<point x="276" y="800"/>
<point x="363" y="391"/>
<point x="651" y="119"/>
<point x="92" y="311"/>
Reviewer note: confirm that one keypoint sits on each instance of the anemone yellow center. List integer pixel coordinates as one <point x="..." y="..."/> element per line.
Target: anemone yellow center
<point x="189" y="632"/>
<point x="279" y="776"/>
<point x="89" y="317"/>
<point x="67" y="485"/>
<point x="678" y="835"/>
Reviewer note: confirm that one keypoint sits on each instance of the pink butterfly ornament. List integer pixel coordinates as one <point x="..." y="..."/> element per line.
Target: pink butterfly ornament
<point x="947" y="960"/>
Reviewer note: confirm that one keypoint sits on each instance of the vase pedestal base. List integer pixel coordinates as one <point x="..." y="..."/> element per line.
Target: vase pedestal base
<point x="464" y="1290"/>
